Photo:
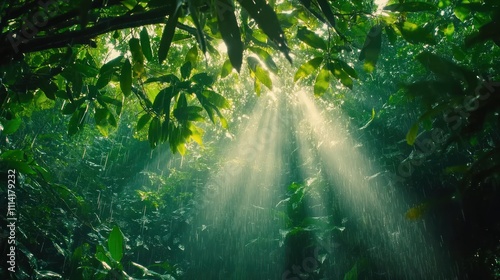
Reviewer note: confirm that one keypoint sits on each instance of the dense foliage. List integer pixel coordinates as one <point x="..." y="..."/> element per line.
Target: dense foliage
<point x="96" y="96"/>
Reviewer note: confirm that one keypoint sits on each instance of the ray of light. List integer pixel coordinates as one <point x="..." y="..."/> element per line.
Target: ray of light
<point x="238" y="226"/>
<point x="376" y="209"/>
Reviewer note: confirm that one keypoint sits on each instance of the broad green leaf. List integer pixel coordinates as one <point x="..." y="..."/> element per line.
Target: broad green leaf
<point x="352" y="274"/>
<point x="322" y="82"/>
<point x="168" y="32"/>
<point x="169" y="78"/>
<point x="146" y="44"/>
<point x="216" y="99"/>
<point x="203" y="79"/>
<point x="371" y="48"/>
<point x="192" y="56"/>
<point x="339" y="73"/>
<point x="107" y="71"/>
<point x="267" y="20"/>
<point x="311" y="39"/>
<point x="126" y="78"/>
<point x="228" y="27"/>
<point x="186" y="70"/>
<point x="327" y="11"/>
<point x="11" y="126"/>
<point x="161" y="104"/>
<point x="264" y="77"/>
<point x="226" y="69"/>
<point x="307" y="68"/>
<point x="115" y="244"/>
<point x="154" y="132"/>
<point x="415" y="34"/>
<point x="141" y="123"/>
<point x="348" y="69"/>
<point x="77" y="120"/>
<point x="411" y="136"/>
<point x="266" y="58"/>
<point x="411" y="7"/>
<point x="129" y="4"/>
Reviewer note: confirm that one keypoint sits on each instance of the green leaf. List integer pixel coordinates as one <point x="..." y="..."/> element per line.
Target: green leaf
<point x="77" y="120"/>
<point x="266" y="58"/>
<point x="322" y="82"/>
<point x="411" y="136"/>
<point x="192" y="56"/>
<point x="325" y="8"/>
<point x="228" y="27"/>
<point x="348" y="69"/>
<point x="226" y="69"/>
<point x="168" y="32"/>
<point x="264" y="77"/>
<point x="146" y="44"/>
<point x="203" y="79"/>
<point x="415" y="34"/>
<point x="154" y="132"/>
<point x="107" y="71"/>
<point x="268" y="21"/>
<point x="11" y="126"/>
<point x="411" y="7"/>
<point x="311" y="39"/>
<point x="143" y="121"/>
<point x="186" y="69"/>
<point x="126" y="78"/>
<point x="337" y="71"/>
<point x="115" y="244"/>
<point x="307" y="68"/>
<point x="352" y="274"/>
<point x="371" y="48"/>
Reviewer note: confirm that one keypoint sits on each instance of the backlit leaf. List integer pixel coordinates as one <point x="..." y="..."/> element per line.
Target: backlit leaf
<point x="411" y="136"/>
<point x="228" y="27"/>
<point x="322" y="82"/>
<point x="307" y="68"/>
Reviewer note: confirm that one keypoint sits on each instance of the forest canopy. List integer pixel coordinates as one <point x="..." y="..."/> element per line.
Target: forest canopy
<point x="86" y="76"/>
